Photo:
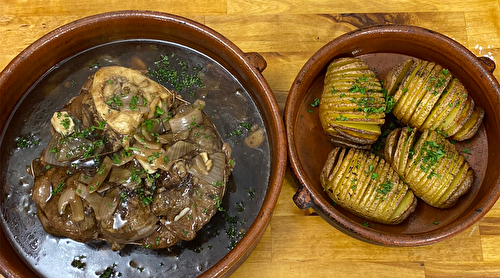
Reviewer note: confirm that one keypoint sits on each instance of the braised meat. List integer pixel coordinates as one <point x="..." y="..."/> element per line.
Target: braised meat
<point x="130" y="162"/>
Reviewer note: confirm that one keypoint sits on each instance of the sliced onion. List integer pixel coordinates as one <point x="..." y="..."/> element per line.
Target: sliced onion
<point x="68" y="197"/>
<point x="216" y="174"/>
<point x="186" y="120"/>
<point x="94" y="199"/>
<point x="119" y="175"/>
<point x="63" y="201"/>
<point x="147" y="228"/>
<point x="107" y="207"/>
<point x="181" y="214"/>
<point x="165" y="139"/>
<point x="123" y="177"/>
<point x="84" y="178"/>
<point x="147" y="144"/>
<point x="179" y="149"/>
<point x="198" y="165"/>
<point x="100" y="175"/>
<point x="42" y="191"/>
<point x="103" y="187"/>
<point x="50" y="156"/>
<point x="181" y="135"/>
<point x="76" y="208"/>
<point x="122" y="158"/>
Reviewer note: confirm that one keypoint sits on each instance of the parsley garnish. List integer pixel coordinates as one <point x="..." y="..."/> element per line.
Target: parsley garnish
<point x="58" y="189"/>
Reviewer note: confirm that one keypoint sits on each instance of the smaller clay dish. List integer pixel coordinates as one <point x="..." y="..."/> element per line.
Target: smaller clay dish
<point x="382" y="47"/>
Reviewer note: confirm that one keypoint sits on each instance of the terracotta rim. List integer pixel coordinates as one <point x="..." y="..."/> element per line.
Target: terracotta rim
<point x="252" y="63"/>
<point x="310" y="196"/>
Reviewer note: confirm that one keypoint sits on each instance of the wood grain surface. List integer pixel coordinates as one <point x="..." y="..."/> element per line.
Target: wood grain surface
<point x="286" y="33"/>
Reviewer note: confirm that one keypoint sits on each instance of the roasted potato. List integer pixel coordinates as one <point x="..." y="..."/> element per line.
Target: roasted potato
<point x="352" y="104"/>
<point x="427" y="96"/>
<point x="367" y="186"/>
<point x="430" y="164"/>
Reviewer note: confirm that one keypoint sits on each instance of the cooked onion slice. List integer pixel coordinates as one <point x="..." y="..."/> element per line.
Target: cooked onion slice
<point x="186" y="120"/>
<point x="101" y="175"/>
<point x="68" y="197"/>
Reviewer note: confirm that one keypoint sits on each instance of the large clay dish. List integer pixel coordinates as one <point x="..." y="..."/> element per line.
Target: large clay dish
<point x="86" y="33"/>
<point x="383" y="47"/>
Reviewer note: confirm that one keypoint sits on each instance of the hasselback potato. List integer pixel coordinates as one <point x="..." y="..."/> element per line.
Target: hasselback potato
<point x="352" y="104"/>
<point x="427" y="96"/>
<point x="367" y="186"/>
<point x="430" y="164"/>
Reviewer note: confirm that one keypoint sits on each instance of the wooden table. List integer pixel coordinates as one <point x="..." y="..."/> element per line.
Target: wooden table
<point x="287" y="33"/>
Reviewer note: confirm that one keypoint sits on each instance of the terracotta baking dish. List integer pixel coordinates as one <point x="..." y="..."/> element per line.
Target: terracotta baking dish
<point x="382" y="47"/>
<point x="82" y="35"/>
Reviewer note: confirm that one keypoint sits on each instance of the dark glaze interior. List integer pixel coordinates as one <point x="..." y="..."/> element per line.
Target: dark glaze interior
<point x="382" y="47"/>
<point x="87" y="33"/>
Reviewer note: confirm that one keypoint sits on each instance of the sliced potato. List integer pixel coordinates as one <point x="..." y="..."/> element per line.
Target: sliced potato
<point x="413" y="87"/>
<point x="428" y="97"/>
<point x="433" y="94"/>
<point x="367" y="186"/>
<point x="407" y="79"/>
<point x="396" y="75"/>
<point x="441" y="105"/>
<point x="435" y="172"/>
<point x="352" y="105"/>
<point x="471" y="126"/>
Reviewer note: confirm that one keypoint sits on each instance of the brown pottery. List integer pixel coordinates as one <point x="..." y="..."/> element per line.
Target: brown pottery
<point x="382" y="47"/>
<point x="87" y="33"/>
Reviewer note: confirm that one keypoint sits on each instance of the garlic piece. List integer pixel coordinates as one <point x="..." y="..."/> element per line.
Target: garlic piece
<point x="62" y="123"/>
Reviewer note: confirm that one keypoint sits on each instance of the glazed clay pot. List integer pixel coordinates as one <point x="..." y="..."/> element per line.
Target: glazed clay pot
<point x="87" y="33"/>
<point x="382" y="47"/>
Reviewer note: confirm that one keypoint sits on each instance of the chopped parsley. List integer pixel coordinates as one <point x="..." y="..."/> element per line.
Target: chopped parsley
<point x="110" y="272"/>
<point x="78" y="262"/>
<point x="315" y="103"/>
<point x="58" y="188"/>
<point x="27" y="141"/>
<point x="341" y="118"/>
<point x="178" y="74"/>
<point x="432" y="153"/>
<point x="385" y="187"/>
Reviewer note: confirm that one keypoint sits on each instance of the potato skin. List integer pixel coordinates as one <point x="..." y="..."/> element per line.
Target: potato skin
<point x="367" y="186"/>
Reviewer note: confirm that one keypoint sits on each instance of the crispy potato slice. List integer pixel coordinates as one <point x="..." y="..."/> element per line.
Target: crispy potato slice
<point x="441" y="105"/>
<point x="471" y="126"/>
<point x="432" y="99"/>
<point x="407" y="79"/>
<point x="457" y="106"/>
<point x="395" y="76"/>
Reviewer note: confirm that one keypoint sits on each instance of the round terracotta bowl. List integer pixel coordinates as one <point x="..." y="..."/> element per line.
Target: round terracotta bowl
<point x="105" y="29"/>
<point x="382" y="47"/>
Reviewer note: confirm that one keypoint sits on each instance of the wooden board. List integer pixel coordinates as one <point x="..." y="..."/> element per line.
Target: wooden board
<point x="286" y="33"/>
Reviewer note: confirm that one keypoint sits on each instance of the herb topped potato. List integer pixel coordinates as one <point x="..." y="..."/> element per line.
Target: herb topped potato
<point x="352" y="105"/>
<point x="367" y="186"/>
<point x="430" y="165"/>
<point x="427" y="96"/>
